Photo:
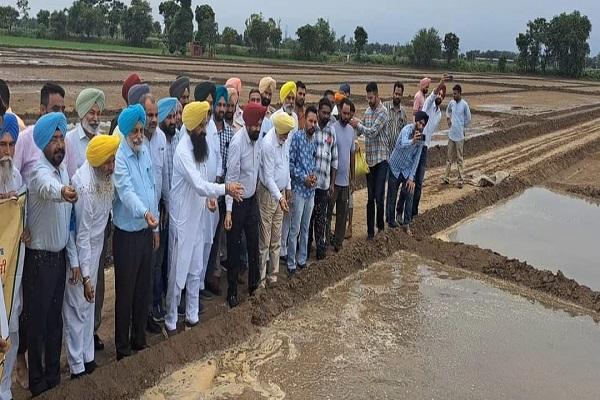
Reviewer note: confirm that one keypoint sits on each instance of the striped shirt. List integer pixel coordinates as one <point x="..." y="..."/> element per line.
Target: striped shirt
<point x="327" y="155"/>
<point x="373" y="128"/>
<point x="225" y="136"/>
<point x="397" y="120"/>
<point x="404" y="159"/>
<point x="303" y="151"/>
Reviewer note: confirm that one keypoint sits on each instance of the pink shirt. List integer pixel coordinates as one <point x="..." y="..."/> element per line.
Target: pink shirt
<point x="419" y="101"/>
<point x="27" y="153"/>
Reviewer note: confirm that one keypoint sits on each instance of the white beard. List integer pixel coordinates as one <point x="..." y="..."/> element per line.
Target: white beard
<point x="102" y="186"/>
<point x="6" y="170"/>
<point x="89" y="129"/>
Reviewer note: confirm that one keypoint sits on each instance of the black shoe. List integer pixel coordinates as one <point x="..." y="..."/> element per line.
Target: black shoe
<point x="189" y="325"/>
<point x="90" y="367"/>
<point x="152" y="326"/>
<point x="321" y="256"/>
<point x="205" y="294"/>
<point x="98" y="343"/>
<point x="370" y="237"/>
<point x="121" y="356"/>
<point x="393" y="225"/>
<point x="233" y="301"/>
<point x="79" y="375"/>
<point x="291" y="273"/>
<point x="283" y="259"/>
<point x="140" y="348"/>
<point x="171" y="332"/>
<point x="301" y="266"/>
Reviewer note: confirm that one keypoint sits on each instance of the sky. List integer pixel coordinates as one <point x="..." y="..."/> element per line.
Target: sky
<point x="480" y="24"/>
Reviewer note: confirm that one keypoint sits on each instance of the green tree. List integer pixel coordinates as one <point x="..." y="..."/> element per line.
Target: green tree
<point x="181" y="29"/>
<point x="23" y="7"/>
<point x="567" y="41"/>
<point x="58" y="24"/>
<point x="168" y="9"/>
<point x="360" y="39"/>
<point x="207" y="27"/>
<point x="325" y="36"/>
<point x="137" y="22"/>
<point x="8" y="17"/>
<point x="76" y="23"/>
<point x="451" y="46"/>
<point x="426" y="45"/>
<point x="157" y="28"/>
<point x="274" y="33"/>
<point x="502" y="64"/>
<point x="113" y="18"/>
<point x="43" y="18"/>
<point x="307" y="38"/>
<point x="229" y="37"/>
<point x="257" y="33"/>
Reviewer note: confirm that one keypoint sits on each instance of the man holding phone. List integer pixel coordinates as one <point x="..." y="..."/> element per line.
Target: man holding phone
<point x="404" y="161"/>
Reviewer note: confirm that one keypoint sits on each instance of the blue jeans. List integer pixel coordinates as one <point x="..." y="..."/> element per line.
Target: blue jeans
<point x="419" y="177"/>
<point x="376" y="196"/>
<point x="299" y="222"/>
<point x="406" y="198"/>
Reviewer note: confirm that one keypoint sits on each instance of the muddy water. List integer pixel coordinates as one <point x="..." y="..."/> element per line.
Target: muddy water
<point x="546" y="229"/>
<point x="406" y="328"/>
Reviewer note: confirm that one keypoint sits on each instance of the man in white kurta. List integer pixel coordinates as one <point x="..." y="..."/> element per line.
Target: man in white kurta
<point x="192" y="209"/>
<point x="96" y="192"/>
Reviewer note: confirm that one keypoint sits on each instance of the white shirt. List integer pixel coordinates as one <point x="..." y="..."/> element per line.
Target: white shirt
<point x="274" y="171"/>
<point x="435" y="116"/>
<point x="48" y="215"/>
<point x="156" y="148"/>
<point x="14" y="184"/>
<point x="243" y="163"/>
<point x="27" y="154"/>
<point x="76" y="143"/>
<point x="91" y="213"/>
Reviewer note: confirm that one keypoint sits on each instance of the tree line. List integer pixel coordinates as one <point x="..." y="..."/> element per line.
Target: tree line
<point x="559" y="45"/>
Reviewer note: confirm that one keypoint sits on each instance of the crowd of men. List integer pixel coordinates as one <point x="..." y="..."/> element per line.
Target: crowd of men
<point x="189" y="190"/>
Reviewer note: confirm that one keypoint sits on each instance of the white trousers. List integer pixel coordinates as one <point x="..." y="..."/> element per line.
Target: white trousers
<point x="9" y="364"/>
<point x="194" y="283"/>
<point x="78" y="317"/>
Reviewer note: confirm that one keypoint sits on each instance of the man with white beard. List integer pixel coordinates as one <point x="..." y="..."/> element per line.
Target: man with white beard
<point x="193" y="200"/>
<point x="89" y="106"/>
<point x="93" y="183"/>
<point x="10" y="183"/>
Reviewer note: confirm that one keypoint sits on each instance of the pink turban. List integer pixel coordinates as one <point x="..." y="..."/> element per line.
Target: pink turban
<point x="234" y="83"/>
<point x="425" y="83"/>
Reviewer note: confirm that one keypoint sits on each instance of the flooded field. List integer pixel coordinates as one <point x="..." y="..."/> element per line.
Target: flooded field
<point x="546" y="229"/>
<point x="406" y="328"/>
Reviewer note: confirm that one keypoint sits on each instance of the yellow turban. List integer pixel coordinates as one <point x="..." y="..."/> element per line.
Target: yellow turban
<point x="286" y="89"/>
<point x="265" y="83"/>
<point x="101" y="148"/>
<point x="283" y="123"/>
<point x="194" y="113"/>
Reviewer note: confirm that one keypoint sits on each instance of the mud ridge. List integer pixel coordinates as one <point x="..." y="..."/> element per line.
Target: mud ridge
<point x="592" y="192"/>
<point x="130" y="377"/>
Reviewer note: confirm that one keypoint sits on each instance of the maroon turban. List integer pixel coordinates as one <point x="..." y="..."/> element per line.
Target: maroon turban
<point x="253" y="112"/>
<point x="133" y="79"/>
<point x="441" y="89"/>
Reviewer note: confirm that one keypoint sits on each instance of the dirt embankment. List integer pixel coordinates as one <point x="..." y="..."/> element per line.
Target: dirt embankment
<point x="129" y="377"/>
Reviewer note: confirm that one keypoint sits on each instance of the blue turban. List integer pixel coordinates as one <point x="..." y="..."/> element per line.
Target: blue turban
<point x="129" y="117"/>
<point x="136" y="92"/>
<point x="166" y="106"/>
<point x="221" y="92"/>
<point x="44" y="128"/>
<point x="10" y="125"/>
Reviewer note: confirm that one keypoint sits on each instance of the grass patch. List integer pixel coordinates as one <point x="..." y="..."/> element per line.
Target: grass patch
<point x="20" y="41"/>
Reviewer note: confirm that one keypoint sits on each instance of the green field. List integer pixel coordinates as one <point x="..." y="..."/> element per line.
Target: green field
<point x="19" y="41"/>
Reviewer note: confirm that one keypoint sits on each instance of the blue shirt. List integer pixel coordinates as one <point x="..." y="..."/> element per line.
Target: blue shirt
<point x="460" y="116"/>
<point x="303" y="153"/>
<point x="134" y="189"/>
<point x="404" y="159"/>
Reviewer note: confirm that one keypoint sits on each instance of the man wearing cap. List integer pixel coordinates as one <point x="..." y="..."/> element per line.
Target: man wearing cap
<point x="131" y="80"/>
<point x="167" y="108"/>
<point x="50" y="201"/>
<point x="27" y="154"/>
<point x="420" y="95"/>
<point x="10" y="185"/>
<point x="326" y="168"/>
<point x="274" y="189"/>
<point x="403" y="167"/>
<point x="136" y="218"/>
<point x="93" y="183"/>
<point x="243" y="164"/>
<point x="194" y="200"/>
<point x="434" y="112"/>
<point x="89" y="106"/>
<point x="180" y="89"/>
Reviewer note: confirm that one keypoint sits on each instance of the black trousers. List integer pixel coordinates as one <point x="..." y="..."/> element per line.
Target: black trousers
<point x="245" y="218"/>
<point x="318" y="223"/>
<point x="375" y="196"/>
<point x="133" y="267"/>
<point x="45" y="287"/>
